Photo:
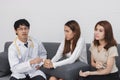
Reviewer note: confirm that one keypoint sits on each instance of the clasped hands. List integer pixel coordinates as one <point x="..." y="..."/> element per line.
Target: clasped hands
<point x="48" y="64"/>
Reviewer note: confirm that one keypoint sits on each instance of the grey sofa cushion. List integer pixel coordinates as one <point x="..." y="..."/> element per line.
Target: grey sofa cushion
<point x="118" y="58"/>
<point x="4" y="65"/>
<point x="88" y="53"/>
<point x="5" y="77"/>
<point x="7" y="44"/>
<point x="51" y="48"/>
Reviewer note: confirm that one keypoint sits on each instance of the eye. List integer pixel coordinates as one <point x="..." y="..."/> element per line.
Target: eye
<point x="66" y="30"/>
<point x="20" y="29"/>
<point x="101" y="30"/>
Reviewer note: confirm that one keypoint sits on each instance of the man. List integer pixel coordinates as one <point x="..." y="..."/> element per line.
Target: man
<point x="26" y="54"/>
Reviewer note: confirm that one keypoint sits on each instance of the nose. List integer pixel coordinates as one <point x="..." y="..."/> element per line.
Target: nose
<point x="96" y="32"/>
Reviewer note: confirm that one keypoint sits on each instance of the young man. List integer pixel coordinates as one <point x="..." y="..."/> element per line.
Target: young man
<point x="26" y="54"/>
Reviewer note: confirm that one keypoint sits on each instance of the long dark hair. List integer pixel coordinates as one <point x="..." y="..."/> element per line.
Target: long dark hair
<point x="74" y="26"/>
<point x="109" y="38"/>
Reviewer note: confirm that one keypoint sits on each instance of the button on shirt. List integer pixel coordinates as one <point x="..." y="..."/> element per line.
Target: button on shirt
<point x="19" y="60"/>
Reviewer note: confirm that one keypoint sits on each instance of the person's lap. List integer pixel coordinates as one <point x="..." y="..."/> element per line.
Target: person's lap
<point x="28" y="78"/>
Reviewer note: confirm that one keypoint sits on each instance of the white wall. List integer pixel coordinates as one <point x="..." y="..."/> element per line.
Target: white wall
<point x="47" y="17"/>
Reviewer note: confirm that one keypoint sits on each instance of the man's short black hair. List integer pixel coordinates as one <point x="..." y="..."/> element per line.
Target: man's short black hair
<point x="23" y="22"/>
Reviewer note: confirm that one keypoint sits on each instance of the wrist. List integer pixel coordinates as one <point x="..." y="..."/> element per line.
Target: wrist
<point x="89" y="73"/>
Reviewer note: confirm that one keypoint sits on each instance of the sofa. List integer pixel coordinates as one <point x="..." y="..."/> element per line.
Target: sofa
<point x="67" y="72"/>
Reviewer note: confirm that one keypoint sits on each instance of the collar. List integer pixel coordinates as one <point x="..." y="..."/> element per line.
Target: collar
<point x="20" y="43"/>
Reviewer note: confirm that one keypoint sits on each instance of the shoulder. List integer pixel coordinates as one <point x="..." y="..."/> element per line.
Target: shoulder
<point x="112" y="48"/>
<point x="113" y="51"/>
<point x="81" y="39"/>
<point x="35" y="40"/>
<point x="12" y="46"/>
<point x="92" y="47"/>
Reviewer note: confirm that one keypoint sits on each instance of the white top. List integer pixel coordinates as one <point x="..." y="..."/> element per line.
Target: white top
<point x="78" y="53"/>
<point x="19" y="58"/>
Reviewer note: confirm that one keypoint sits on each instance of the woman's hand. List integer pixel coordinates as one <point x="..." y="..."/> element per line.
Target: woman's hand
<point x="48" y="64"/>
<point x="84" y="74"/>
<point x="99" y="65"/>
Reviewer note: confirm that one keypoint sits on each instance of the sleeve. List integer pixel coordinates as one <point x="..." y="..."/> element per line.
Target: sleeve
<point x="75" y="55"/>
<point x="42" y="52"/>
<point x="113" y="51"/>
<point x="59" y="53"/>
<point x="91" y="47"/>
<point x="15" y="64"/>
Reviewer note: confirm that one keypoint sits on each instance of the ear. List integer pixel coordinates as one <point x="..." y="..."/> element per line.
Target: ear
<point x="16" y="32"/>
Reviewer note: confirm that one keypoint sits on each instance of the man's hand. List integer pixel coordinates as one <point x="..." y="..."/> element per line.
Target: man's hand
<point x="36" y="60"/>
<point x="37" y="67"/>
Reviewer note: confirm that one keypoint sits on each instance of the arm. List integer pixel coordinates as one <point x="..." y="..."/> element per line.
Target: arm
<point x="97" y="65"/>
<point x="75" y="55"/>
<point x="93" y="61"/>
<point x="112" y="52"/>
<point x="59" y="53"/>
<point x="107" y="70"/>
<point x="42" y="53"/>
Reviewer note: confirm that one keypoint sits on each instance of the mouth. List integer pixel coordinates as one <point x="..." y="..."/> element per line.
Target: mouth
<point x="24" y="34"/>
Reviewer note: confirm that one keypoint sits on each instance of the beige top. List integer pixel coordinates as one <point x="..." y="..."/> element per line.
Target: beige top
<point x="103" y="55"/>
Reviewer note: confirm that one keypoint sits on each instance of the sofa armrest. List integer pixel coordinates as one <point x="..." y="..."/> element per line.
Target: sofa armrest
<point x="4" y="64"/>
<point x="69" y="71"/>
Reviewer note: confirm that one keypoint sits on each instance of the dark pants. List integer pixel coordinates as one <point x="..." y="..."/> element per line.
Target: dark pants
<point x="111" y="76"/>
<point x="28" y="78"/>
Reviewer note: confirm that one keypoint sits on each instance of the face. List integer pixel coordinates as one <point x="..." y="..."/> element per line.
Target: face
<point x="22" y="32"/>
<point x="99" y="33"/>
<point x="69" y="34"/>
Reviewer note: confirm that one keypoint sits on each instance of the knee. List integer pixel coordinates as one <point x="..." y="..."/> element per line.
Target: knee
<point x="53" y="78"/>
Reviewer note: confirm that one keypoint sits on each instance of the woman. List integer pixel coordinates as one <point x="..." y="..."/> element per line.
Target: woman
<point x="103" y="53"/>
<point x="73" y="47"/>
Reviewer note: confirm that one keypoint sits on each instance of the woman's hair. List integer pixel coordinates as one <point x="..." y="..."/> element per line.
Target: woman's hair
<point x="74" y="26"/>
<point x="109" y="38"/>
